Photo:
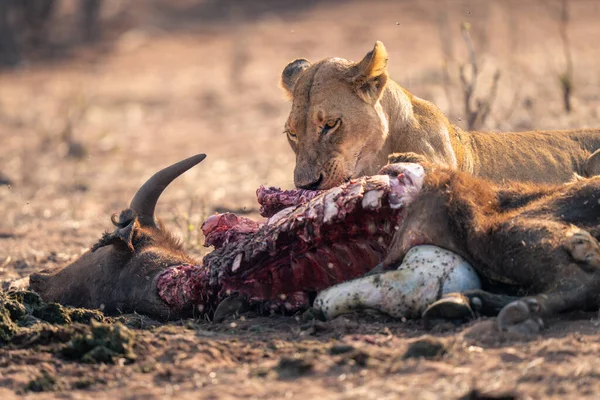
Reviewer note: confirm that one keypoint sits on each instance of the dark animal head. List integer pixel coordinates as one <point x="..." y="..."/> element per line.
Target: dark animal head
<point x="118" y="272"/>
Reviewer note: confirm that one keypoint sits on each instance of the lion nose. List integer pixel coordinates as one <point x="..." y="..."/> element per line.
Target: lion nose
<point x="314" y="185"/>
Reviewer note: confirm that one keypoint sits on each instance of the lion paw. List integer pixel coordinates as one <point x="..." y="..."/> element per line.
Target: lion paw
<point x="584" y="247"/>
<point x="409" y="157"/>
<point x="519" y="317"/>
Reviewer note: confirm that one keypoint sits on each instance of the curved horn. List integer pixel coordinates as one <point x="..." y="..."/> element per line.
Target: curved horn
<point x="144" y="201"/>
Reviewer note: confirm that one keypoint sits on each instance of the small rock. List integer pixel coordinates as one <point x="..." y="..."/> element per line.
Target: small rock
<point x="427" y="347"/>
<point x="313" y="314"/>
<point x="4" y="180"/>
<point x="76" y="150"/>
<point x="292" y="367"/>
<point x="340" y="349"/>
<point x="355" y="357"/>
<point x="477" y="395"/>
<point x="103" y="343"/>
<point x="46" y="382"/>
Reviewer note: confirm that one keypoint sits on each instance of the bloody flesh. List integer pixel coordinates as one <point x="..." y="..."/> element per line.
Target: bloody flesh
<point x="311" y="241"/>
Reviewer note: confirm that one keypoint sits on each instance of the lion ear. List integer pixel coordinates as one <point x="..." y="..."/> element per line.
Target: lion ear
<point x="290" y="75"/>
<point x="369" y="76"/>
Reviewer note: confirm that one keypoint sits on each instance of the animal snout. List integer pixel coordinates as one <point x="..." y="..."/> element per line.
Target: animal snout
<point x="37" y="282"/>
<point x="310" y="184"/>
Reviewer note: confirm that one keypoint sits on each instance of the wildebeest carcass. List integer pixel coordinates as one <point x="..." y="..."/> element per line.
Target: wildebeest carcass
<point x="540" y="238"/>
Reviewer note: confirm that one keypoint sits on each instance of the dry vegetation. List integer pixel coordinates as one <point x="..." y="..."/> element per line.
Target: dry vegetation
<point x="82" y="126"/>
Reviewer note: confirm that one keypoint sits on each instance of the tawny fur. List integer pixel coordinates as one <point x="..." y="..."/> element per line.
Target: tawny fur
<point x="378" y="117"/>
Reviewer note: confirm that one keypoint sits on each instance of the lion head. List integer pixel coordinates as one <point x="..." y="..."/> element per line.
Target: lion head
<point x="337" y="126"/>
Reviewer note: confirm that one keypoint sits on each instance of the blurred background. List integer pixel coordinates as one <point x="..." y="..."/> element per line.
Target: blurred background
<point x="97" y="95"/>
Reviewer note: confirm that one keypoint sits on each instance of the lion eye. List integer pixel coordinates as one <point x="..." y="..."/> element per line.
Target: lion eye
<point x="331" y="125"/>
<point x="290" y="133"/>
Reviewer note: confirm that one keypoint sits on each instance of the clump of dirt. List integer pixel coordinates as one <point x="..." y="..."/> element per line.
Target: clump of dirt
<point x="26" y="320"/>
<point x="7" y="327"/>
<point x="44" y="334"/>
<point x="84" y="316"/>
<point x="355" y="357"/>
<point x="426" y="347"/>
<point x="85" y="383"/>
<point x="46" y="382"/>
<point x="53" y="313"/>
<point x="20" y="303"/>
<point x="16" y="306"/>
<point x="137" y="321"/>
<point x="103" y="343"/>
<point x="341" y="349"/>
<point x="350" y="355"/>
<point x="477" y="395"/>
<point x="22" y="309"/>
<point x="296" y="366"/>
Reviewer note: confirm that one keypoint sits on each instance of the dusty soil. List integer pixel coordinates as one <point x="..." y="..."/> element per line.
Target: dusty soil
<point x="81" y="130"/>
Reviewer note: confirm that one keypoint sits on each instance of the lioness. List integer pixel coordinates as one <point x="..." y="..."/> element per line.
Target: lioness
<point x="347" y="117"/>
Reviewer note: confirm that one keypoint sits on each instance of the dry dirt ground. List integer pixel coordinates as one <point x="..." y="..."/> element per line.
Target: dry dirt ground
<point x="80" y="130"/>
